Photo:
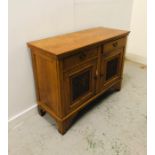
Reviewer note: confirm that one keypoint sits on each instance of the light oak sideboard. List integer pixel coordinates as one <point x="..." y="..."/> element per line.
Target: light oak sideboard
<point x="73" y="69"/>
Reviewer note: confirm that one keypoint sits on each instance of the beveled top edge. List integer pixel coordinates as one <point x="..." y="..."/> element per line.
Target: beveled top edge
<point x="59" y="45"/>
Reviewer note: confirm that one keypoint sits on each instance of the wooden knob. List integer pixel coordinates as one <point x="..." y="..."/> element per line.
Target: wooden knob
<point x="115" y="44"/>
<point x="96" y="75"/>
<point x="82" y="56"/>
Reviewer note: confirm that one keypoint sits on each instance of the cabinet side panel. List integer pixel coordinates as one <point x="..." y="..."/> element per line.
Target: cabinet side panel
<point x="123" y="57"/>
<point x="46" y="74"/>
<point x="61" y="90"/>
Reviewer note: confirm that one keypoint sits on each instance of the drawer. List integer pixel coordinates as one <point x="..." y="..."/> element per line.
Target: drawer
<point x="80" y="57"/>
<point x="114" y="45"/>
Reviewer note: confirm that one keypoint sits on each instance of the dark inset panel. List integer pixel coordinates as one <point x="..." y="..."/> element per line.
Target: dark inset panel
<point x="80" y="85"/>
<point x="112" y="66"/>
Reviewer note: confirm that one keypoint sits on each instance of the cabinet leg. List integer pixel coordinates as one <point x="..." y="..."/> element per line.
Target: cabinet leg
<point x="41" y="111"/>
<point x="116" y="87"/>
<point x="63" y="126"/>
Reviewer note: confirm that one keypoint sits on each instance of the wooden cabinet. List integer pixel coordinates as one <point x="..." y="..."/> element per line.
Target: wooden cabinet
<point x="73" y="69"/>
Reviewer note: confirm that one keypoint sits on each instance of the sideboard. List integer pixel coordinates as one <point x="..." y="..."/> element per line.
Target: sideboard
<point x="71" y="70"/>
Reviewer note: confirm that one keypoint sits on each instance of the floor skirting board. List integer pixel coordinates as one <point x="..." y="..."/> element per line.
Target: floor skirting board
<point x="22" y="113"/>
<point x="136" y="58"/>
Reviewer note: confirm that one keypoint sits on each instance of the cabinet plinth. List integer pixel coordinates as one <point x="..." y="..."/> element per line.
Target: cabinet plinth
<point x="73" y="69"/>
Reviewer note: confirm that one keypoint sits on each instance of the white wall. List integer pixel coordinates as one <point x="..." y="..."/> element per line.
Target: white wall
<point x="35" y="19"/>
<point x="108" y="13"/>
<point x="30" y="20"/>
<point x="137" y="42"/>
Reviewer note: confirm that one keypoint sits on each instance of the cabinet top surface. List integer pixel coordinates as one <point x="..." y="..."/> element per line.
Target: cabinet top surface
<point x="62" y="44"/>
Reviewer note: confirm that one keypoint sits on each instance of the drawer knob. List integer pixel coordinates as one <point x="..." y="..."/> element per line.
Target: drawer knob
<point x="115" y="44"/>
<point x="82" y="56"/>
<point x="96" y="75"/>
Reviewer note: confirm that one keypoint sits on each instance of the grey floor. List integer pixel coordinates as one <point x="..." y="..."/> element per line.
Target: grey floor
<point x="116" y="125"/>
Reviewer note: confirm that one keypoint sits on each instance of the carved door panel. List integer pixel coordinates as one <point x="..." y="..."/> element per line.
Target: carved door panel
<point x="79" y="84"/>
<point x="111" y="67"/>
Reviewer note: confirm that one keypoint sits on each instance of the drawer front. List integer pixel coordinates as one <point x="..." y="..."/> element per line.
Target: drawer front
<point x="114" y="45"/>
<point x="78" y="58"/>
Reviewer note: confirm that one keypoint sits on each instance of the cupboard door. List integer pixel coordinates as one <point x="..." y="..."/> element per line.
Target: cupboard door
<point x="79" y="84"/>
<point x="111" y="67"/>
